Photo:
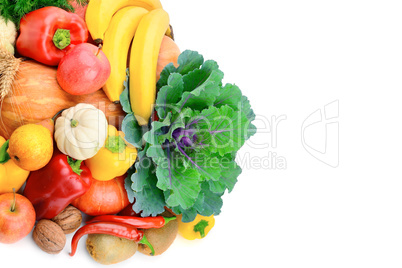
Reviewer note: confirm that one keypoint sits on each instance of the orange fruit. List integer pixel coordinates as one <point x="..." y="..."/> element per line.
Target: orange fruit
<point x="11" y="175"/>
<point x="31" y="146"/>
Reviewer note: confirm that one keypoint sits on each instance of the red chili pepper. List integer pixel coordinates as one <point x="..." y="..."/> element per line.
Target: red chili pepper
<point x="143" y="223"/>
<point x="53" y="187"/>
<point x="46" y="34"/>
<point x="111" y="228"/>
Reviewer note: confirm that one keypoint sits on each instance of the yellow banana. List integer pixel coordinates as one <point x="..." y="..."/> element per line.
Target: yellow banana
<point x="100" y="12"/>
<point x="116" y="45"/>
<point x="143" y="61"/>
<point x="169" y="32"/>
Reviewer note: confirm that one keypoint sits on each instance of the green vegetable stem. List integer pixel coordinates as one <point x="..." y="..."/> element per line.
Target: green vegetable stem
<point x="14" y="10"/>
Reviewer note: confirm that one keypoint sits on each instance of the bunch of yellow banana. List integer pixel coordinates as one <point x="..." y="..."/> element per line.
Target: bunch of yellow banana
<point x="119" y="25"/>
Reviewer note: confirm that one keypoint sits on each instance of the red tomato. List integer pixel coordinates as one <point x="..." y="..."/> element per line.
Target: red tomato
<point x="104" y="197"/>
<point x="128" y="211"/>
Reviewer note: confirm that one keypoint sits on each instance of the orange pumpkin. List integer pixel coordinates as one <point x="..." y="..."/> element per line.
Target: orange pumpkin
<point x="169" y="52"/>
<point x="36" y="96"/>
<point x="104" y="197"/>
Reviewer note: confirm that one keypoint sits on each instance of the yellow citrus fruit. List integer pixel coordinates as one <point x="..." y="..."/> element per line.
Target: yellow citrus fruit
<point x="11" y="175"/>
<point x="31" y="146"/>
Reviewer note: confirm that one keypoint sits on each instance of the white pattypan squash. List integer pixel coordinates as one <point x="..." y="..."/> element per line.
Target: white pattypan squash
<point x="81" y="131"/>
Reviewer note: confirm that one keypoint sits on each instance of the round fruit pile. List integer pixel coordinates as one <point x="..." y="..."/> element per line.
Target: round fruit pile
<point x="108" y="130"/>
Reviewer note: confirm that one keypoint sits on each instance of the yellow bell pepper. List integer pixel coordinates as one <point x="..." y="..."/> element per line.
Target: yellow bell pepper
<point x="114" y="158"/>
<point x="11" y="175"/>
<point x="196" y="229"/>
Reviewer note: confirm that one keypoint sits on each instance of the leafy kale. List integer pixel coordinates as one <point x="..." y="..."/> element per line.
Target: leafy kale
<point x="186" y="158"/>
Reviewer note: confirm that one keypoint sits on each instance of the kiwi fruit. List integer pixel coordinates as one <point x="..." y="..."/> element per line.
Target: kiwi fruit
<point x="108" y="249"/>
<point x="160" y="238"/>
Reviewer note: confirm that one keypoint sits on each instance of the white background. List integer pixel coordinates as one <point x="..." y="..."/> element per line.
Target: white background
<point x="291" y="58"/>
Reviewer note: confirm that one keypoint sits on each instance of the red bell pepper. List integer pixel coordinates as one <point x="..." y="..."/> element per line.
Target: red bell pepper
<point x="46" y="34"/>
<point x="52" y="188"/>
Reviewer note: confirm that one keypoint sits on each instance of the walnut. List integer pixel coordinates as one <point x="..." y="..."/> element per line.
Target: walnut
<point x="49" y="236"/>
<point x="69" y="219"/>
